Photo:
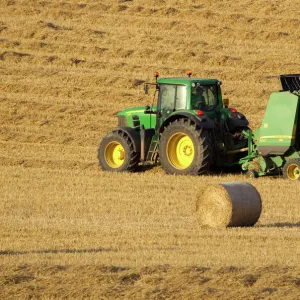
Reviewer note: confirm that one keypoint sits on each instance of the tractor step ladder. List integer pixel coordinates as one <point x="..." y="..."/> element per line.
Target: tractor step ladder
<point x="153" y="150"/>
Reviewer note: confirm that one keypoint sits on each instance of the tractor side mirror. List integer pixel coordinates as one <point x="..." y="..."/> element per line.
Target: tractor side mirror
<point x="226" y="102"/>
<point x="146" y="89"/>
<point x="147" y="109"/>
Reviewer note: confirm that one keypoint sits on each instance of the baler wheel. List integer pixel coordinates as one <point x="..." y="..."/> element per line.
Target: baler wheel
<point x="291" y="169"/>
<point x="185" y="148"/>
<point x="251" y="174"/>
<point x="116" y="153"/>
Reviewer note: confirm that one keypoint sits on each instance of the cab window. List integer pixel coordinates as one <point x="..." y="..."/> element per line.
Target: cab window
<point x="204" y="97"/>
<point x="173" y="96"/>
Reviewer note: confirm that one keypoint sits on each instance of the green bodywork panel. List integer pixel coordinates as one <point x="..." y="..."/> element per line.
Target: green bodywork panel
<point x="280" y="121"/>
<point x="148" y="120"/>
<point x="187" y="80"/>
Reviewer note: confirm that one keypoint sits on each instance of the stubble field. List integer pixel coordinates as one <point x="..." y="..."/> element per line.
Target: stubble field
<point x="69" y="230"/>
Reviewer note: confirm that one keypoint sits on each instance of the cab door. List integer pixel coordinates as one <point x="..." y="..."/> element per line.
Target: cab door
<point x="172" y="97"/>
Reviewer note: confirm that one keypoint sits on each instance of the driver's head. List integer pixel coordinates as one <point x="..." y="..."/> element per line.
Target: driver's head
<point x="197" y="90"/>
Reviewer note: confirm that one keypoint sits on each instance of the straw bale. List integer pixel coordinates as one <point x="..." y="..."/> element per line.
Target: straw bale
<point x="230" y="204"/>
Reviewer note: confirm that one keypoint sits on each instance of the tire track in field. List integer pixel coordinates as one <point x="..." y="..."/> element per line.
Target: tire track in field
<point x="48" y="164"/>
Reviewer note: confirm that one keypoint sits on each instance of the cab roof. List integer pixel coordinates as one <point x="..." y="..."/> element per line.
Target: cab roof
<point x="187" y="80"/>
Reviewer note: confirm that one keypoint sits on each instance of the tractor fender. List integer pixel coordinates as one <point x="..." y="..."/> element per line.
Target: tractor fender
<point x="238" y="120"/>
<point x="133" y="134"/>
<point x="202" y="122"/>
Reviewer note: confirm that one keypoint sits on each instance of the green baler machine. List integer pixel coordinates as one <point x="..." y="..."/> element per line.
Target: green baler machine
<point x="274" y="148"/>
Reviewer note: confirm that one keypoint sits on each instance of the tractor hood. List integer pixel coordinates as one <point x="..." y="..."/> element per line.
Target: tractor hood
<point x="139" y="110"/>
<point x="135" y="116"/>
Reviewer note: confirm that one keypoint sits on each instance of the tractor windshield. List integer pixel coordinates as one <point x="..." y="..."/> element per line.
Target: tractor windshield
<point x="173" y="97"/>
<point x="204" y="97"/>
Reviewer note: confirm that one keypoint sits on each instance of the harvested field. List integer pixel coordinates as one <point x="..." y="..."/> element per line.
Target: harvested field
<point x="70" y="230"/>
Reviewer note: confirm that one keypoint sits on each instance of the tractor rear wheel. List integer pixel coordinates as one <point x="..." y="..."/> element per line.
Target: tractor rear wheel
<point x="116" y="153"/>
<point x="185" y="148"/>
<point x="291" y="169"/>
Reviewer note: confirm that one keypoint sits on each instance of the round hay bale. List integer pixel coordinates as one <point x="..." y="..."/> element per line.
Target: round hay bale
<point x="230" y="204"/>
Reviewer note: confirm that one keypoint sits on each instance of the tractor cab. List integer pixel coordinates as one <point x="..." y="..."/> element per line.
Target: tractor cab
<point x="194" y="96"/>
<point x="186" y="93"/>
<point x="189" y="93"/>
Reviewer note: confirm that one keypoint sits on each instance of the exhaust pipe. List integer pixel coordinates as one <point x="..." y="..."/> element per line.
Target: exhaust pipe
<point x="142" y="134"/>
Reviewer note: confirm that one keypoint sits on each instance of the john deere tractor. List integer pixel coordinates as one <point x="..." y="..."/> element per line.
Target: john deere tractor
<point x="189" y="129"/>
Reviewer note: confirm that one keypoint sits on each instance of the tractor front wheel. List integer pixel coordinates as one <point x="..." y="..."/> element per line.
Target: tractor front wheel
<point x="291" y="169"/>
<point x="185" y="149"/>
<point x="116" y="153"/>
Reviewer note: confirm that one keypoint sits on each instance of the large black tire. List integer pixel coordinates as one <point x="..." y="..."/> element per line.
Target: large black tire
<point x="291" y="169"/>
<point x="116" y="153"/>
<point x="180" y="134"/>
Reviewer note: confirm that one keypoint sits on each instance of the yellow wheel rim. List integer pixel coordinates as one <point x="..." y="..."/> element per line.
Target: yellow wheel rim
<point x="250" y="175"/>
<point x="180" y="151"/>
<point x="114" y="154"/>
<point x="293" y="172"/>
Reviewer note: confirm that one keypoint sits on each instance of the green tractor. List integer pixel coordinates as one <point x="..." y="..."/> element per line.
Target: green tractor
<point x="189" y="129"/>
